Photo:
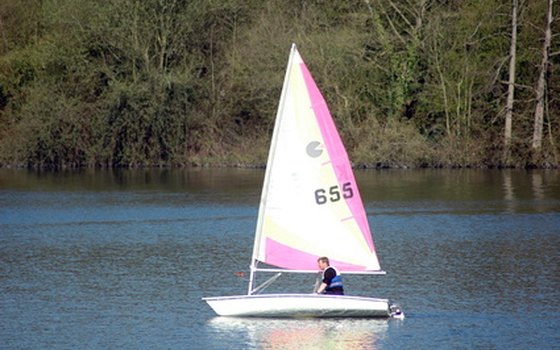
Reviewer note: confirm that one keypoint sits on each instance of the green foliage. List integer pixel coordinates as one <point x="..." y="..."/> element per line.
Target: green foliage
<point x="196" y="82"/>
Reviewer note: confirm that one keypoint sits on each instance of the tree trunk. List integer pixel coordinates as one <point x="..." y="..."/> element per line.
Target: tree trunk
<point x="539" y="109"/>
<point x="511" y="81"/>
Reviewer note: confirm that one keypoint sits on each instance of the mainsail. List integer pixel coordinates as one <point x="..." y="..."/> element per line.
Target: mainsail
<point x="310" y="205"/>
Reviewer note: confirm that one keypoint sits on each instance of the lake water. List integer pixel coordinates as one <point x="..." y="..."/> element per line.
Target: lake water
<point x="121" y="260"/>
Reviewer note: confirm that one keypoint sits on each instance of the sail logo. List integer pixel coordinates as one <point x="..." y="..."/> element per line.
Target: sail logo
<point x="314" y="149"/>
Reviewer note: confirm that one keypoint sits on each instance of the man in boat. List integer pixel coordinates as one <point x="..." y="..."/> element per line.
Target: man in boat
<point x="332" y="281"/>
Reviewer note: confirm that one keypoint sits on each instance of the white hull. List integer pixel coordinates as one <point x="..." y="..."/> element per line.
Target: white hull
<point x="300" y="305"/>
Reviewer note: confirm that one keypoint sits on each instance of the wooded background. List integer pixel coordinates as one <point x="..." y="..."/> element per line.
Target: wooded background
<point x="410" y="83"/>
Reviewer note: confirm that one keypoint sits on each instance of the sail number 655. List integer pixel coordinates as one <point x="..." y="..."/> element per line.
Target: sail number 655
<point x="334" y="193"/>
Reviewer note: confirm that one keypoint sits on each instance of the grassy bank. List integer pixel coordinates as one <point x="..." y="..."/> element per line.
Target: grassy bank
<point x="88" y="83"/>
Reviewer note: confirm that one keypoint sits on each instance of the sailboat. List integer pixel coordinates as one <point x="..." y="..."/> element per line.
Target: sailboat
<point x="310" y="207"/>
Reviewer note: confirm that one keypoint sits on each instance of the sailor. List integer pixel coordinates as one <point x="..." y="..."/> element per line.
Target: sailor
<point x="331" y="279"/>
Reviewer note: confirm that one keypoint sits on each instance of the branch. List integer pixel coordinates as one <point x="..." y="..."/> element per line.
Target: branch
<point x="391" y="24"/>
<point x="400" y="14"/>
<point x="521" y="86"/>
<point x="498" y="71"/>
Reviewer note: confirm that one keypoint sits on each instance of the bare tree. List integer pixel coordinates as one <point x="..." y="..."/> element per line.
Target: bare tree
<point x="511" y="80"/>
<point x="539" y="109"/>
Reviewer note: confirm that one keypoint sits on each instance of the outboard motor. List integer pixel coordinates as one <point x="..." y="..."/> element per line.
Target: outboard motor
<point x="396" y="312"/>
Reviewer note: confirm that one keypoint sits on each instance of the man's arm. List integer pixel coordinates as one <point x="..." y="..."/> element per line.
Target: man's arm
<point x="321" y="288"/>
<point x="329" y="275"/>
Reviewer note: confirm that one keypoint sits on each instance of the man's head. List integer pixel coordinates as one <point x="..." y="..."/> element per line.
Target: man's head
<point x="323" y="262"/>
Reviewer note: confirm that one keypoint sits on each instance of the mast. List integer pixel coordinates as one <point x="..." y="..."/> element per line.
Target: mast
<point x="274" y="141"/>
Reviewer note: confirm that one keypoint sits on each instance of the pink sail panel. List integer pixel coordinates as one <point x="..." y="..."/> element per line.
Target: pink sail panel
<point x="278" y="254"/>
<point x="339" y="157"/>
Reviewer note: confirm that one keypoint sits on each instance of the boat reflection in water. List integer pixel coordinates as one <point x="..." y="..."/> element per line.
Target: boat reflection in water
<point x="329" y="333"/>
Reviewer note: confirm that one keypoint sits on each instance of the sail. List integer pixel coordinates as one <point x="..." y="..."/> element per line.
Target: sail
<point x="310" y="205"/>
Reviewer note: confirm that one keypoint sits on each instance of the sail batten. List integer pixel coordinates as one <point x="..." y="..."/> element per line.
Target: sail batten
<point x="310" y="205"/>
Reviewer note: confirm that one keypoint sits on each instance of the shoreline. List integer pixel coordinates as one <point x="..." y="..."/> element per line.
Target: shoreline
<point x="209" y="165"/>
